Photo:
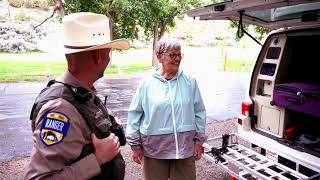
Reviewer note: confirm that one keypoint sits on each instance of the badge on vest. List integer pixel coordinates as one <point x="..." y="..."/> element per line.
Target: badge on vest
<point x="54" y="128"/>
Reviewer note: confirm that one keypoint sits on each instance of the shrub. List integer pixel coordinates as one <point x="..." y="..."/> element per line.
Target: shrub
<point x="32" y="4"/>
<point x="44" y="5"/>
<point x="19" y="37"/>
<point x="50" y="2"/>
<point x="22" y="16"/>
<point x="3" y="17"/>
<point x="16" y="3"/>
<point x="38" y="4"/>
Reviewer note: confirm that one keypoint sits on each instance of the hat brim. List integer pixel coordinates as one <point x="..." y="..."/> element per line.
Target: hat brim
<point x="117" y="44"/>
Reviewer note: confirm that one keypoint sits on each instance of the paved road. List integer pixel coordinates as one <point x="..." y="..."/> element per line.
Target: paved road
<point x="16" y="101"/>
<point x="222" y="93"/>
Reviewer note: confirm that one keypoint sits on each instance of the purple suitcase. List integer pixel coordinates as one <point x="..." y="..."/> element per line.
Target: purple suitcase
<point x="301" y="97"/>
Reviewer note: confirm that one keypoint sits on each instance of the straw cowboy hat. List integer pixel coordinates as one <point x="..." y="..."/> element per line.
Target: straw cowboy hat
<point x="87" y="31"/>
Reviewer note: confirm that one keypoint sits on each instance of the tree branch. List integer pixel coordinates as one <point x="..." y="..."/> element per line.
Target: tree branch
<point x="165" y="22"/>
<point x="54" y="11"/>
<point x="58" y="6"/>
<point x="106" y="12"/>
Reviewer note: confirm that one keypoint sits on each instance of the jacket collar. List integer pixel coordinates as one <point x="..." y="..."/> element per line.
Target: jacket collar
<point x="158" y="75"/>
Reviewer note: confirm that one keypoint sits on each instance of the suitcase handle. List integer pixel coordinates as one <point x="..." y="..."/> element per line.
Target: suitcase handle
<point x="294" y="100"/>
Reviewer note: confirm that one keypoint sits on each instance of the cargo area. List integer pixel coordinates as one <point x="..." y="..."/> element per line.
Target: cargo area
<point x="302" y="132"/>
<point x="293" y="120"/>
<point x="302" y="129"/>
<point x="303" y="59"/>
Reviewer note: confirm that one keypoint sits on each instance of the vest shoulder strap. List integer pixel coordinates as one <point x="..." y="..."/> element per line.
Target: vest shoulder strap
<point x="93" y="111"/>
<point x="47" y="94"/>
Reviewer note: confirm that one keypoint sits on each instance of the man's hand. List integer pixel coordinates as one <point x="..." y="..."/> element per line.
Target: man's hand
<point x="137" y="156"/>
<point x="198" y="150"/>
<point x="105" y="149"/>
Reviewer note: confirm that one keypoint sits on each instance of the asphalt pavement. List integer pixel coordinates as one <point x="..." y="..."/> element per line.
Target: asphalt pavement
<point x="222" y="93"/>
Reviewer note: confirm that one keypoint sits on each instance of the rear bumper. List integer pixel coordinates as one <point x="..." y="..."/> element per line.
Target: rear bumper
<point x="269" y="144"/>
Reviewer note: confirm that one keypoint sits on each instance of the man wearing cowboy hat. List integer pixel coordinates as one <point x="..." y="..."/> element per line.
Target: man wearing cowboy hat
<point x="71" y="128"/>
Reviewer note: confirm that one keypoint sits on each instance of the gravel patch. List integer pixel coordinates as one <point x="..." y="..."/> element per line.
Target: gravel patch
<point x="12" y="170"/>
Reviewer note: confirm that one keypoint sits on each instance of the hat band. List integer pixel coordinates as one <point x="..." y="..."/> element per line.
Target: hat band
<point x="77" y="47"/>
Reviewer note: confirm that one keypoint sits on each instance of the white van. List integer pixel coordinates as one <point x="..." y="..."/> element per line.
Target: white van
<point x="283" y="136"/>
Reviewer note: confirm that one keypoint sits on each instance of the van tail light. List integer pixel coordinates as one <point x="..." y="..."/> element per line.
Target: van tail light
<point x="239" y="121"/>
<point x="245" y="108"/>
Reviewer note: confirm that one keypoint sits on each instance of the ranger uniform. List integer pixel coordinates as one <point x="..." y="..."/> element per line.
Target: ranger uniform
<point x="63" y="137"/>
<point x="67" y="112"/>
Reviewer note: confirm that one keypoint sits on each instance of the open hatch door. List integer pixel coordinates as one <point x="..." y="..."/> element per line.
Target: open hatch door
<point x="271" y="14"/>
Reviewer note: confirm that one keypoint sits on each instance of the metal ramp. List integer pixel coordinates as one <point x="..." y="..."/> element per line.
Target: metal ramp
<point x="246" y="164"/>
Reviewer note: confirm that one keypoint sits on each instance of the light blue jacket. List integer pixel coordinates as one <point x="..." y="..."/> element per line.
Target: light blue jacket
<point x="163" y="106"/>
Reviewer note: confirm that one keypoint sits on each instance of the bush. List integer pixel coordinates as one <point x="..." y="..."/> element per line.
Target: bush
<point x="22" y="16"/>
<point x="38" y="4"/>
<point x="31" y="4"/>
<point x="45" y="4"/>
<point x="16" y="3"/>
<point x="50" y="2"/>
<point x="19" y="37"/>
<point x="3" y="17"/>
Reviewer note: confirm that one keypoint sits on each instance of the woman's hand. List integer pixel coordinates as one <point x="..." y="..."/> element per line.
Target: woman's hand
<point x="198" y="150"/>
<point x="137" y="156"/>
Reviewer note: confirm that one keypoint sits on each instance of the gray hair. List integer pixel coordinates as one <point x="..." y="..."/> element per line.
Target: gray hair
<point x="166" y="44"/>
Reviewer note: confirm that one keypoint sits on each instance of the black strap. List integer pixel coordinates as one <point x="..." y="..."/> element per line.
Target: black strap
<point x="80" y="93"/>
<point x="240" y="25"/>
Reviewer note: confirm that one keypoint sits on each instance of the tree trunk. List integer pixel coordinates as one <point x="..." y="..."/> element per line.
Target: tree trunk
<point x="111" y="24"/>
<point x="162" y="31"/>
<point x="155" y="62"/>
<point x="59" y="5"/>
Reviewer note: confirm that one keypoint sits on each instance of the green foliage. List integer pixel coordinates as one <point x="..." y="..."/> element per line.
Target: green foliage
<point x="128" y="15"/>
<point x="3" y="17"/>
<point x="31" y="4"/>
<point x="16" y="3"/>
<point x="38" y="4"/>
<point x="22" y="16"/>
<point x="161" y="13"/>
<point x="261" y="31"/>
<point x="122" y="14"/>
<point x="234" y="24"/>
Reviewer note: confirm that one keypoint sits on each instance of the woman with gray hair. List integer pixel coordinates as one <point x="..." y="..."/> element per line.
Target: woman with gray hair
<point x="167" y="118"/>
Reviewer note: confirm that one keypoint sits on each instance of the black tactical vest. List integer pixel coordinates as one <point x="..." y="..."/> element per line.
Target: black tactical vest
<point x="96" y="115"/>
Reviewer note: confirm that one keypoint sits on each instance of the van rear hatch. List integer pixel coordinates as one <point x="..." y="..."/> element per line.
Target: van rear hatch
<point x="271" y="14"/>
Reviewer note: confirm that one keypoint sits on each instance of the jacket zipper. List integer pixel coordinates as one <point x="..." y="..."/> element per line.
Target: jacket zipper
<point x="174" y="122"/>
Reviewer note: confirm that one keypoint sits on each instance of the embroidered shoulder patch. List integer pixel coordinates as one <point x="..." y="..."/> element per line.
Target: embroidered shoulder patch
<point x="54" y="128"/>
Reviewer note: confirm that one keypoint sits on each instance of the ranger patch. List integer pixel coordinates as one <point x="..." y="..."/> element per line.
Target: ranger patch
<point x="54" y="128"/>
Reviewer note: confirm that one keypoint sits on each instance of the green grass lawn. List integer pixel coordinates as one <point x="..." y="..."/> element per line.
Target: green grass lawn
<point x="37" y="66"/>
<point x="34" y="66"/>
<point x="28" y="70"/>
<point x="236" y="65"/>
<point x="19" y="70"/>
